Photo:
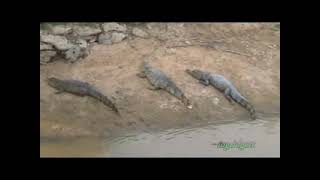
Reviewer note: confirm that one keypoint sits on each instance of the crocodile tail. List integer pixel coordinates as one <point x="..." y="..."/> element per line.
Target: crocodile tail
<point x="249" y="107"/>
<point x="104" y="99"/>
<point x="175" y="91"/>
<point x="94" y="93"/>
<point x="244" y="103"/>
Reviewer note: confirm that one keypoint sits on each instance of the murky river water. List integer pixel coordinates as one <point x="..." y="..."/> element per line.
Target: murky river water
<point x="260" y="138"/>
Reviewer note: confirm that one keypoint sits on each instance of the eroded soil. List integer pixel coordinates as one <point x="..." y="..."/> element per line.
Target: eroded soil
<point x="247" y="54"/>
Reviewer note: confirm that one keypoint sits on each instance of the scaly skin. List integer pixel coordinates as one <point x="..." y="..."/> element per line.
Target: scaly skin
<point x="223" y="85"/>
<point x="160" y="81"/>
<point x="81" y="89"/>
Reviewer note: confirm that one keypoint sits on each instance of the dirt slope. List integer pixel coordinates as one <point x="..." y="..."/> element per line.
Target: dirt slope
<point x="246" y="54"/>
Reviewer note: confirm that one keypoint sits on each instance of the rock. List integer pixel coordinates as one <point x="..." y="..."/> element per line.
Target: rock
<point x="43" y="32"/>
<point x="140" y="33"/>
<point x="46" y="56"/>
<point x="89" y="38"/>
<point x="86" y="30"/>
<point x="105" y="38"/>
<point x="60" y="29"/>
<point x="81" y="43"/>
<point x="149" y="26"/>
<point x="114" y="27"/>
<point x="157" y="29"/>
<point x="110" y="38"/>
<point x="175" y="25"/>
<point x="44" y="46"/>
<point x="92" y="39"/>
<point x="216" y="101"/>
<point x="171" y="51"/>
<point x="75" y="53"/>
<point x="91" y="45"/>
<point x="73" y="37"/>
<point x="59" y="42"/>
<point x="117" y="37"/>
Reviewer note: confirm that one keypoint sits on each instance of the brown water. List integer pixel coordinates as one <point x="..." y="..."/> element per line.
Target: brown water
<point x="198" y="140"/>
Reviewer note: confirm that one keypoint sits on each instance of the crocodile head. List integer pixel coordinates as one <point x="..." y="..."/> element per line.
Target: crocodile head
<point x="195" y="73"/>
<point x="146" y="65"/>
<point x="53" y="82"/>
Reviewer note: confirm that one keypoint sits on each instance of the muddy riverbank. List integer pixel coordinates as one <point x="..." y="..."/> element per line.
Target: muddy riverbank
<point x="247" y="54"/>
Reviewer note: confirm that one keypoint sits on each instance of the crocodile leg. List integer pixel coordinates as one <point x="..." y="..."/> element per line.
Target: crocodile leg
<point x="204" y="82"/>
<point x="152" y="88"/>
<point x="141" y="75"/>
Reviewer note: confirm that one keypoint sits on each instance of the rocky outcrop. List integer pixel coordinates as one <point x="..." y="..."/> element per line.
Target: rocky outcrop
<point x="44" y="46"/>
<point x="46" y="56"/>
<point x="140" y="33"/>
<point x="114" y="27"/>
<point x="117" y="37"/>
<point x="60" y="29"/>
<point x="105" y="38"/>
<point x="72" y="41"/>
<point x="75" y="53"/>
<point x="59" y="42"/>
<point x="81" y="43"/>
<point x="110" y="38"/>
<point x="86" y="30"/>
<point x="52" y="45"/>
<point x="112" y="33"/>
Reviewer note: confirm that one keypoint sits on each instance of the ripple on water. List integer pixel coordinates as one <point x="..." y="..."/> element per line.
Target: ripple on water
<point x="198" y="140"/>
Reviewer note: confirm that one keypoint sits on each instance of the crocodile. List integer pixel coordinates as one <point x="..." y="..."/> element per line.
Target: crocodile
<point x="81" y="89"/>
<point x="160" y="81"/>
<point x="223" y="85"/>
